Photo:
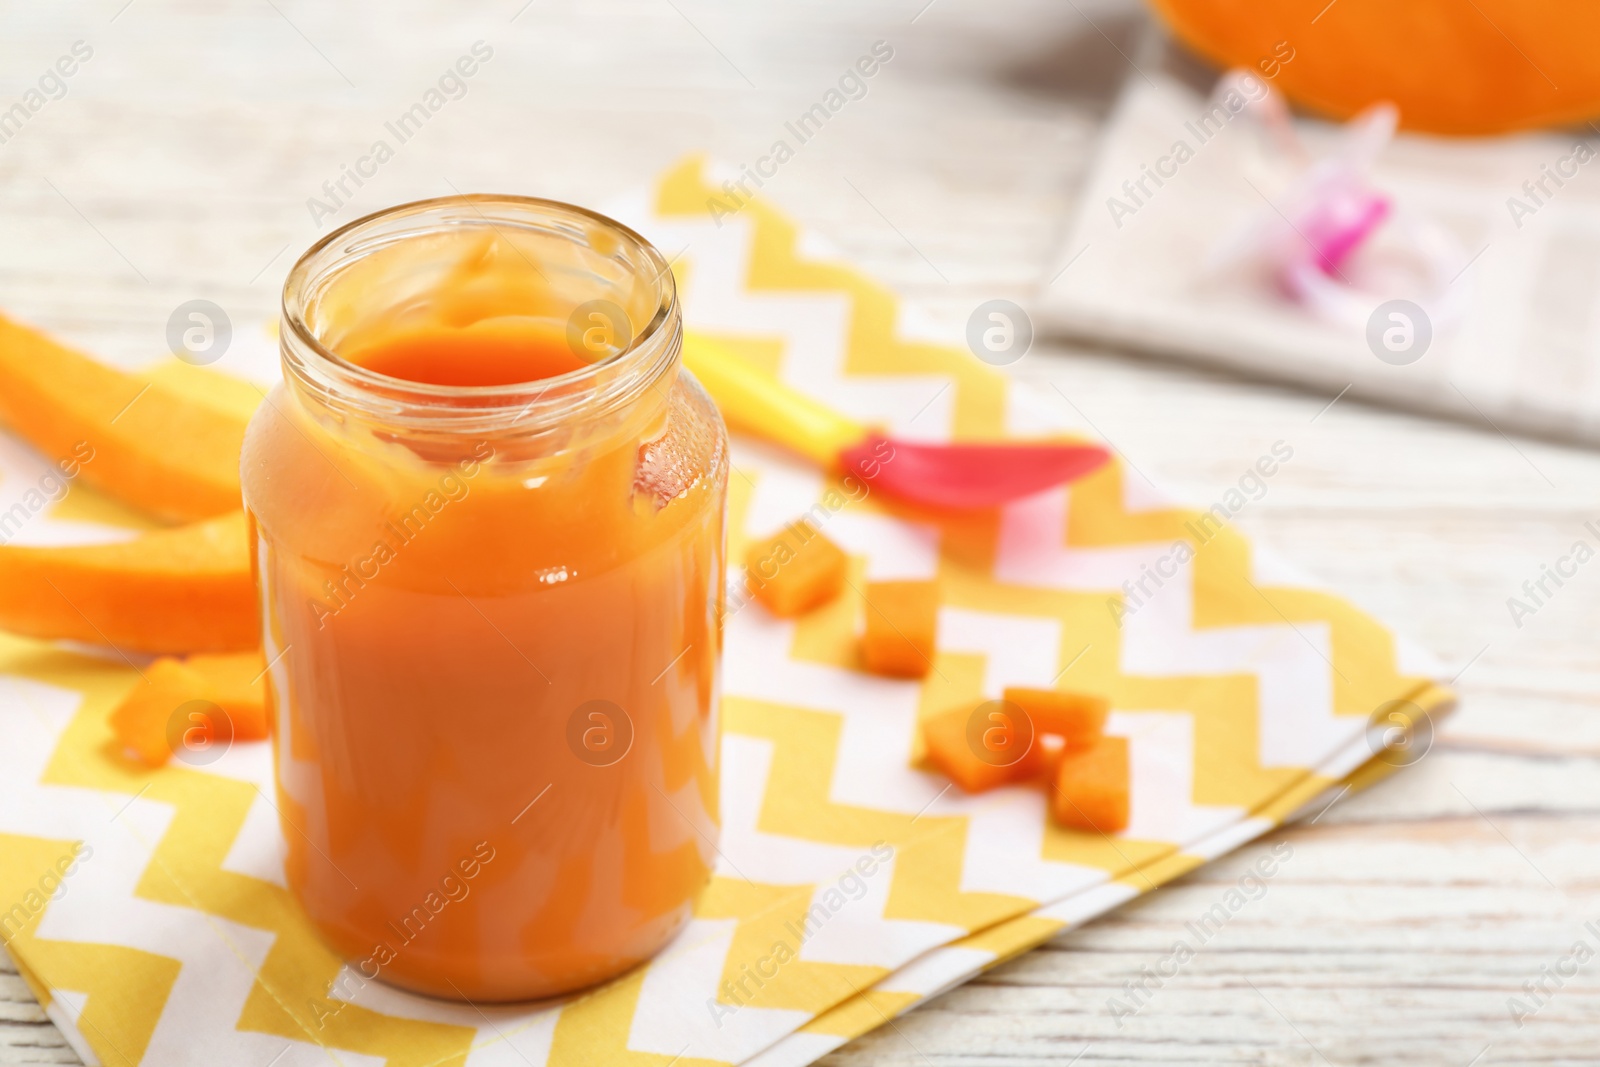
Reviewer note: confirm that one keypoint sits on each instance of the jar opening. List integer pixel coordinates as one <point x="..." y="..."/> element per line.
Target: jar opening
<point x="479" y="307"/>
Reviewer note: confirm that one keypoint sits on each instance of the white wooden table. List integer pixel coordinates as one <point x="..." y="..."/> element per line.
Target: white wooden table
<point x="179" y="164"/>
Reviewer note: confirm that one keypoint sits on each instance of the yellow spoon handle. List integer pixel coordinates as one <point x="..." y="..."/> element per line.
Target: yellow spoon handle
<point x="759" y="404"/>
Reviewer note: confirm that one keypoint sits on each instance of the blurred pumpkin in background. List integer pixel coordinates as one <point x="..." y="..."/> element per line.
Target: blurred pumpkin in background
<point x="1451" y="66"/>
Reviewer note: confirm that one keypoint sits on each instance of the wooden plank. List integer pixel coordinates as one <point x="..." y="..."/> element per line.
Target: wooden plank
<point x="1406" y="917"/>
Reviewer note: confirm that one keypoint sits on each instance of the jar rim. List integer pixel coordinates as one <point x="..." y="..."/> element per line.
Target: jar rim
<point x="633" y="361"/>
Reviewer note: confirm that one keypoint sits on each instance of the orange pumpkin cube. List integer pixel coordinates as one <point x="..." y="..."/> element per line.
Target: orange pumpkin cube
<point x="1079" y="719"/>
<point x="796" y="570"/>
<point x="236" y="682"/>
<point x="902" y="629"/>
<point x="192" y="705"/>
<point x="1090" y="789"/>
<point x="980" y="748"/>
<point x="144" y="718"/>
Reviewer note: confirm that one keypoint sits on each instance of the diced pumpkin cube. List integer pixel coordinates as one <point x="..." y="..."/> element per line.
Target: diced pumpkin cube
<point x="902" y="628"/>
<point x="144" y="718"/>
<point x="1090" y="788"/>
<point x="1079" y="719"/>
<point x="236" y="682"/>
<point x="796" y="570"/>
<point x="192" y="705"/>
<point x="984" y="747"/>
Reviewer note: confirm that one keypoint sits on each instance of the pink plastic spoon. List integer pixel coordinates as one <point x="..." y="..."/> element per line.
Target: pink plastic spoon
<point x="939" y="475"/>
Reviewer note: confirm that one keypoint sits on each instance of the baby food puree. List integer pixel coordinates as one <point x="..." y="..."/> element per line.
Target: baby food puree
<point x="488" y="517"/>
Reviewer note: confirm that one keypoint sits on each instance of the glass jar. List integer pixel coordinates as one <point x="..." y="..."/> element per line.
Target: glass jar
<point x="492" y="612"/>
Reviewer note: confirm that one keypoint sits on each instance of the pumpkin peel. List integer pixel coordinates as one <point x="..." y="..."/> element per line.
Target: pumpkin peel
<point x="1489" y="66"/>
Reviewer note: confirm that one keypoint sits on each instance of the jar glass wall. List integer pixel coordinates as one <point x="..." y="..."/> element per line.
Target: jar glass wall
<point x="492" y="606"/>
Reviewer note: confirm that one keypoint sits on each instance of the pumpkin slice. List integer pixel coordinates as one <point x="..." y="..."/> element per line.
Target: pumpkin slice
<point x="796" y="570"/>
<point x="902" y="628"/>
<point x="184" y="589"/>
<point x="1077" y="718"/>
<point x="1091" y="788"/>
<point x="980" y="749"/>
<point x="147" y="445"/>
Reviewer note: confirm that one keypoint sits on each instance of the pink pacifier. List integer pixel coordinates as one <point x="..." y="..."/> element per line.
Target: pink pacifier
<point x="1322" y="212"/>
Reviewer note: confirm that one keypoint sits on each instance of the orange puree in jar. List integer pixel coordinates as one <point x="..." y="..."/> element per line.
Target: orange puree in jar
<point x="488" y="509"/>
<point x="505" y="354"/>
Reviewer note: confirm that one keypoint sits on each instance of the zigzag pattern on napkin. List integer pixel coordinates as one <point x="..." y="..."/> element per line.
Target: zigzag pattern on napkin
<point x="1241" y="689"/>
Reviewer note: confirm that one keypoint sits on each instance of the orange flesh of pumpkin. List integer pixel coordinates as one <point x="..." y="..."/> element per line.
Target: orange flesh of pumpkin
<point x="1077" y="718"/>
<point x="213" y="694"/>
<point x="950" y="748"/>
<point x="1090" y="790"/>
<point x="184" y="589"/>
<point x="796" y="570"/>
<point x="144" y="715"/>
<point x="151" y="448"/>
<point x="236" y="682"/>
<point x="902" y="629"/>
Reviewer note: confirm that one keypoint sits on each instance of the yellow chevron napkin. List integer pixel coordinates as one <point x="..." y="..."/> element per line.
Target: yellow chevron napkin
<point x="148" y="909"/>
